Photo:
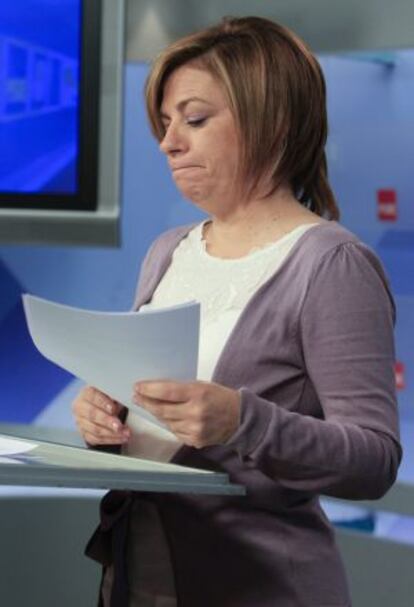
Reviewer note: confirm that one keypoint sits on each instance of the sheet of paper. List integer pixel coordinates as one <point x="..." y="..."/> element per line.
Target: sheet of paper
<point x="112" y="351"/>
<point x="63" y="455"/>
<point x="14" y="446"/>
<point x="9" y="460"/>
<point x="88" y="458"/>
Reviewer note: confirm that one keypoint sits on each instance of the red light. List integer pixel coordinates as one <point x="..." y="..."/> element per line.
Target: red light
<point x="387" y="205"/>
<point x="399" y="375"/>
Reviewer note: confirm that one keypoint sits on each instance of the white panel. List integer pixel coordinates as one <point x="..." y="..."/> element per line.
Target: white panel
<point x="327" y="25"/>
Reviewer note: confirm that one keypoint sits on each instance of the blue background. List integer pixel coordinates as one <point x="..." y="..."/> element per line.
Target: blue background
<point x="39" y="93"/>
<point x="371" y="134"/>
<point x="370" y="148"/>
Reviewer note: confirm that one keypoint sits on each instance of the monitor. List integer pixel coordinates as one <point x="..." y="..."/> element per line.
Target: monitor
<point x="61" y="81"/>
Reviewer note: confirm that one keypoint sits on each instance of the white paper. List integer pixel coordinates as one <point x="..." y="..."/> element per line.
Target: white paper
<point x="149" y="441"/>
<point x="13" y="446"/>
<point x="111" y="351"/>
<point x="9" y="460"/>
<point x="65" y="455"/>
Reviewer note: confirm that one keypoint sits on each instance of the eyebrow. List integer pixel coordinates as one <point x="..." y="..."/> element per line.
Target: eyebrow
<point x="182" y="104"/>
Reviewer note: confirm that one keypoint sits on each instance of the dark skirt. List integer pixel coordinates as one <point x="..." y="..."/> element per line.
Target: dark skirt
<point x="150" y="573"/>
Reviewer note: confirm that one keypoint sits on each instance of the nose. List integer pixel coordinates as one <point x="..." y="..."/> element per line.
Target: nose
<point x="173" y="141"/>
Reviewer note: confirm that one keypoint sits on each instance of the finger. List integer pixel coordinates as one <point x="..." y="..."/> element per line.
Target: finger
<point x="83" y="408"/>
<point x="164" y="411"/>
<point x="99" y="420"/>
<point x="94" y="414"/>
<point x="164" y="390"/>
<point x="92" y="396"/>
<point x="120" y="435"/>
<point x="102" y="401"/>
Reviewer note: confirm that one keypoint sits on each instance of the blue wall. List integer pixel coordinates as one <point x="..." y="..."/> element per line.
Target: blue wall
<point x="370" y="147"/>
<point x="371" y="134"/>
<point x="39" y="50"/>
<point x="94" y="278"/>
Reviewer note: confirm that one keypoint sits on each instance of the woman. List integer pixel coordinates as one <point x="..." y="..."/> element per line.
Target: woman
<point x="295" y="390"/>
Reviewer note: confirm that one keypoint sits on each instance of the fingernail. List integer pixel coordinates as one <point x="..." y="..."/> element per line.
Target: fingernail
<point x="115" y="426"/>
<point x="109" y="408"/>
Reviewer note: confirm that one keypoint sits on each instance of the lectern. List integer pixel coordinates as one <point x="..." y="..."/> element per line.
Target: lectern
<point x="49" y="464"/>
<point x="49" y="505"/>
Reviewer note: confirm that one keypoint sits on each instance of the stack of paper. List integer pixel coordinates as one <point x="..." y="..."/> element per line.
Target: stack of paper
<point x="112" y="351"/>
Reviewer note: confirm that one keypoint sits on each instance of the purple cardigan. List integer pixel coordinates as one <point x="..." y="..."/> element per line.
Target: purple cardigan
<point x="313" y="357"/>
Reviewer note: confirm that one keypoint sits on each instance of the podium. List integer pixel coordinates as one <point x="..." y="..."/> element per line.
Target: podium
<point x="49" y="506"/>
<point x="54" y="465"/>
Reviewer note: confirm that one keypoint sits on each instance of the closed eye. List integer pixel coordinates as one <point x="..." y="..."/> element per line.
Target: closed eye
<point x="195" y="122"/>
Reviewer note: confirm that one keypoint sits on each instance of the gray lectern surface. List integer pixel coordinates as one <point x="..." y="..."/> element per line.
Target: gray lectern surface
<point x="46" y="464"/>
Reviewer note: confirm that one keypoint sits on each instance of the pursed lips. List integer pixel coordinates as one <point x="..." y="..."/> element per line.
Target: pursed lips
<point x="176" y="169"/>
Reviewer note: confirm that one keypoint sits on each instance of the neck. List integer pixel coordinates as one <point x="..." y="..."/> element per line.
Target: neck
<point x="255" y="223"/>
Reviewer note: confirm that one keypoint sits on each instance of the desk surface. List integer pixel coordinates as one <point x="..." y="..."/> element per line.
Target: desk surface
<point x="400" y="499"/>
<point x="57" y="465"/>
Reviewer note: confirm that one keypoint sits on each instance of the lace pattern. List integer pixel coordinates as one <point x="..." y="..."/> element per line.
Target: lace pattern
<point x="218" y="284"/>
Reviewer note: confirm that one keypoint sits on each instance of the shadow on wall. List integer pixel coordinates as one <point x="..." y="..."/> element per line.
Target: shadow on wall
<point x="27" y="379"/>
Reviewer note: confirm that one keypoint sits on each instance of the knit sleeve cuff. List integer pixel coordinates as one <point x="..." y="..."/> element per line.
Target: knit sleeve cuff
<point x="255" y="417"/>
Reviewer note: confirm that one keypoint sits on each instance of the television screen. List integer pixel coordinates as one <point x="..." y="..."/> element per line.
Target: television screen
<point x="57" y="116"/>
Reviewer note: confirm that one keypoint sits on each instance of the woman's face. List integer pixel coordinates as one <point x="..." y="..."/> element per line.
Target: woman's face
<point x="200" y="141"/>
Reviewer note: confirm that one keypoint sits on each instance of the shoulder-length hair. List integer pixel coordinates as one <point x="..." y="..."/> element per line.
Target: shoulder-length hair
<point x="277" y="95"/>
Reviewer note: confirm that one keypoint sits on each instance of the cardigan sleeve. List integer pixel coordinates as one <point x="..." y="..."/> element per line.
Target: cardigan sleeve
<point x="346" y="335"/>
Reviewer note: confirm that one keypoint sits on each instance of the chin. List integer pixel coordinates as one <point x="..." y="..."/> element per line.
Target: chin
<point x="195" y="194"/>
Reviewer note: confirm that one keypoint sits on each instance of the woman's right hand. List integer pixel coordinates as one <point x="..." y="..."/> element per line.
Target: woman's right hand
<point x="97" y="418"/>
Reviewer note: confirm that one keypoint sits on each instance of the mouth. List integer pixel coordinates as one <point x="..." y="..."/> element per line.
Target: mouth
<point x="185" y="168"/>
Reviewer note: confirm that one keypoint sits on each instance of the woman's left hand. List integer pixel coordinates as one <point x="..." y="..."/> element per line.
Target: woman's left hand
<point x="198" y="413"/>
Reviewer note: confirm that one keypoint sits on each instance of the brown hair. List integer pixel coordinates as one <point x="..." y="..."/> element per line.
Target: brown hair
<point x="276" y="91"/>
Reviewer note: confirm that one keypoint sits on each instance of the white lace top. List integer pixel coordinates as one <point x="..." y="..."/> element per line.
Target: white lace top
<point x="223" y="287"/>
